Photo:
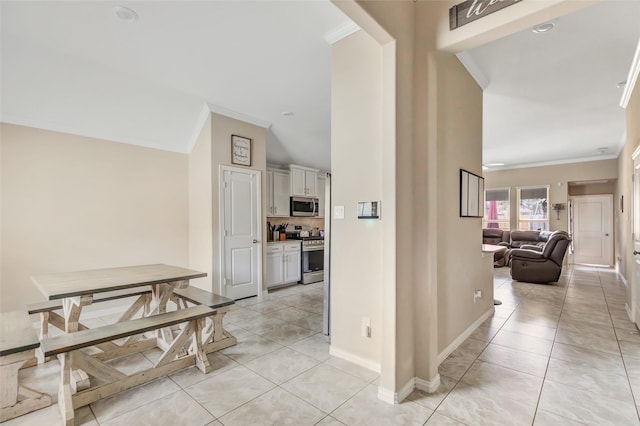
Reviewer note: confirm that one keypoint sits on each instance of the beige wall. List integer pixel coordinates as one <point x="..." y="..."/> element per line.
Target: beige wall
<point x="461" y="267"/>
<point x="201" y="208"/>
<point x="71" y="203"/>
<point x="412" y="253"/>
<point x="356" y="175"/>
<point x="593" y="188"/>
<point x="222" y="128"/>
<point x="557" y="177"/>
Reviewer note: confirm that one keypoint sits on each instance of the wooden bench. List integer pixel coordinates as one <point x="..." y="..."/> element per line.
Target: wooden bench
<point x="48" y="316"/>
<point x="214" y="336"/>
<point x="45" y="309"/>
<point x="111" y="381"/>
<point x="18" y="342"/>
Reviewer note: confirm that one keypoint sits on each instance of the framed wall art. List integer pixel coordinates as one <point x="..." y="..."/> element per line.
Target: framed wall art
<point x="471" y="194"/>
<point x="240" y="150"/>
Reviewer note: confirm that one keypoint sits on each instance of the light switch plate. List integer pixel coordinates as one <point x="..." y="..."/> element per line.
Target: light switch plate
<point x="338" y="212"/>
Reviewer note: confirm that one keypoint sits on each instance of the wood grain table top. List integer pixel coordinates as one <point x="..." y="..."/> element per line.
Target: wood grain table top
<point x="490" y="248"/>
<point x="79" y="283"/>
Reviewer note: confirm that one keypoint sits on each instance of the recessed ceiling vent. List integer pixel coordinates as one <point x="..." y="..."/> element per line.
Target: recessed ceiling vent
<point x="126" y="14"/>
<point x="545" y="27"/>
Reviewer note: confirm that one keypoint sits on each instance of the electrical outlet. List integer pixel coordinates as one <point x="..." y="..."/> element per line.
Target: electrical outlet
<point x="477" y="294"/>
<point x="366" y="327"/>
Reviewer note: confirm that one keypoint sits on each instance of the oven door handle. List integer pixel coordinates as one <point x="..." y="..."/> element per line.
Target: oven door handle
<point x="312" y="248"/>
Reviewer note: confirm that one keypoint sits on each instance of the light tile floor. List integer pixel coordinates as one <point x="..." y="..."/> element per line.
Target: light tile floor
<point x="562" y="354"/>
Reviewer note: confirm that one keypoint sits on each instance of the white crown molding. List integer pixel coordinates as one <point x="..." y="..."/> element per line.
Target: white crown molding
<point x="472" y="68"/>
<point x="341" y="32"/>
<point x="197" y="130"/>
<point x="632" y="78"/>
<point x="553" y="163"/>
<point x="217" y="109"/>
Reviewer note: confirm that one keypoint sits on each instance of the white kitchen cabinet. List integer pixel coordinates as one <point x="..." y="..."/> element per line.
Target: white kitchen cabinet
<point x="277" y="193"/>
<point x="304" y="182"/>
<point x="321" y="195"/>
<point x="284" y="263"/>
<point x="275" y="266"/>
<point x="292" y="262"/>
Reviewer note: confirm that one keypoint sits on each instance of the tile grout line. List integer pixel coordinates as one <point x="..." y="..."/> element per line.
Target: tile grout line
<point x="553" y="343"/>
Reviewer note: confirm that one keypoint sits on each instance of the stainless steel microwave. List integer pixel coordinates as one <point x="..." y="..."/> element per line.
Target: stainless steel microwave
<point x="304" y="206"/>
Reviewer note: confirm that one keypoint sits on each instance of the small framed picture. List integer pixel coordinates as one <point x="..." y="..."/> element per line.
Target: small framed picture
<point x="240" y="150"/>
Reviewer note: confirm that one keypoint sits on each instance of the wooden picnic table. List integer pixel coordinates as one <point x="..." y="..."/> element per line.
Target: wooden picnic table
<point x="76" y="289"/>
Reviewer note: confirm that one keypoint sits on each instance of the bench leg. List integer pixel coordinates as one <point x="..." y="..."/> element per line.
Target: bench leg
<point x="17" y="400"/>
<point x="65" y="402"/>
<point x="202" y="362"/>
<point x="9" y="388"/>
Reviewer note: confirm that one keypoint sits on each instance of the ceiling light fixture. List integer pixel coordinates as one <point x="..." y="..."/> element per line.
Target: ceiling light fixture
<point x="602" y="150"/>
<point x="126" y="14"/>
<point x="621" y="84"/>
<point x="287" y="113"/>
<point x="545" y="27"/>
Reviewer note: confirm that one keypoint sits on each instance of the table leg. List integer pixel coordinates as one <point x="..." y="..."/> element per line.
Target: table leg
<point x="161" y="294"/>
<point x="72" y="307"/>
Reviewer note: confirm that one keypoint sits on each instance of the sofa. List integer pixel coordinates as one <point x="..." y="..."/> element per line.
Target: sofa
<point x="497" y="237"/>
<point x="540" y="265"/>
<point x="518" y="239"/>
<point x="512" y="240"/>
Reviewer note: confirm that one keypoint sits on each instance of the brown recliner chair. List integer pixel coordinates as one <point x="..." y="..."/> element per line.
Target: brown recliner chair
<point x="540" y="266"/>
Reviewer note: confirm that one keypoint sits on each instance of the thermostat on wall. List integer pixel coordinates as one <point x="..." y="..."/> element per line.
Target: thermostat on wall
<point x="368" y="209"/>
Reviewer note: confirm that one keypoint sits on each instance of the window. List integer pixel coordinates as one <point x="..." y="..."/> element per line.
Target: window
<point x="533" y="208"/>
<point x="497" y="211"/>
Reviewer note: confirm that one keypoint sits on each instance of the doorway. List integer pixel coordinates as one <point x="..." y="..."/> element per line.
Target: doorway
<point x="592" y="229"/>
<point x="241" y="247"/>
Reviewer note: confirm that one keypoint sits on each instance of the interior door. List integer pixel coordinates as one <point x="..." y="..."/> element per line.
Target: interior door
<point x="241" y="233"/>
<point x="635" y="282"/>
<point x="593" y="229"/>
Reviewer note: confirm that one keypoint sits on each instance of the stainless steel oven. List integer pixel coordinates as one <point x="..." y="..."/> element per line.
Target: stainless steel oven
<point x="312" y="260"/>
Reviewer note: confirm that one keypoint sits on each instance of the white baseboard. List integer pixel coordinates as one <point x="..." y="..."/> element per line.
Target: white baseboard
<point x="429" y="386"/>
<point x="630" y="312"/>
<point x="465" y="334"/>
<point x="391" y="397"/>
<point x="347" y="356"/>
<point x="386" y="395"/>
<point x="624" y="280"/>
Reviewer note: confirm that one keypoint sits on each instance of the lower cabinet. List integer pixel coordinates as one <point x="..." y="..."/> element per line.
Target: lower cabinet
<point x="283" y="263"/>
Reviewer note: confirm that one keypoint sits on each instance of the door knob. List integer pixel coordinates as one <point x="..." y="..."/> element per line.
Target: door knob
<point x="606" y="235"/>
<point x="636" y="252"/>
<point x="255" y="241"/>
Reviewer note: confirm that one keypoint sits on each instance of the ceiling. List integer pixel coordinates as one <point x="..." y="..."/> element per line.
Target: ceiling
<point x="553" y="97"/>
<point x="75" y="67"/>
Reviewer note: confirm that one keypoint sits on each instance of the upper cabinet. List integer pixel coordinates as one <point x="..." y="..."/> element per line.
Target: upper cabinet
<point x="304" y="181"/>
<point x="277" y="193"/>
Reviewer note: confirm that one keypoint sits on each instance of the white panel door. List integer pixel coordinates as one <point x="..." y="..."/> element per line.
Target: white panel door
<point x="593" y="229"/>
<point x="241" y="232"/>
